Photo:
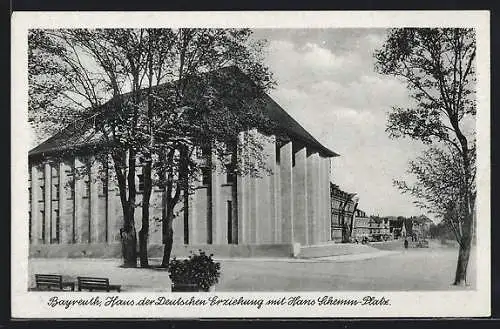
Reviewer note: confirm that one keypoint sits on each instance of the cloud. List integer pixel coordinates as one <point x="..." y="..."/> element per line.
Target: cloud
<point x="327" y="82"/>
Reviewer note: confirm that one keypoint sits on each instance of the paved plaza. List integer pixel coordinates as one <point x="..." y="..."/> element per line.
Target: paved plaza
<point x="386" y="270"/>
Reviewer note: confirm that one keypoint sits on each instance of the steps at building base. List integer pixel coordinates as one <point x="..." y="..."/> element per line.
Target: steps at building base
<point x="334" y="249"/>
<point x="113" y="250"/>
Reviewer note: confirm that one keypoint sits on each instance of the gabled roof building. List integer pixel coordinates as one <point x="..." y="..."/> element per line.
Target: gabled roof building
<point x="292" y="205"/>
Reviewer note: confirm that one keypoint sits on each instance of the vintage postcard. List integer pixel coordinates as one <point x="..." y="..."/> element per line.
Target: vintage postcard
<point x="250" y="164"/>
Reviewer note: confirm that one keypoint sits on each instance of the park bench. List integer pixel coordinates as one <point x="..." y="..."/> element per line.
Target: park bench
<point x="52" y="281"/>
<point x="91" y="283"/>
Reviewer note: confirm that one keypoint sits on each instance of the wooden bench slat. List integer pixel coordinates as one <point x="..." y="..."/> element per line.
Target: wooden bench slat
<point x="51" y="281"/>
<point x="93" y="283"/>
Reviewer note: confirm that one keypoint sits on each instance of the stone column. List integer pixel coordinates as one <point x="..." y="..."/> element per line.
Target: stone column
<point x="81" y="209"/>
<point x="178" y="222"/>
<point x="65" y="207"/>
<point x="113" y="206"/>
<point x="300" y="211"/>
<point x="117" y="208"/>
<point x="219" y="216"/>
<point x="276" y="192"/>
<point x="253" y="211"/>
<point x="48" y="201"/>
<point x="312" y="198"/>
<point x="97" y="231"/>
<point x="200" y="208"/>
<point x="242" y="195"/>
<point x="328" y="207"/>
<point x="243" y="203"/>
<point x="54" y="203"/>
<point x="36" y="206"/>
<point x="193" y="219"/>
<point x="278" y="225"/>
<point x="265" y="195"/>
<point x="322" y="206"/>
<point x="286" y="193"/>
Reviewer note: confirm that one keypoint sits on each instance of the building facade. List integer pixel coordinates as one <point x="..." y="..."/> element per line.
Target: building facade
<point x="290" y="205"/>
<point x="343" y="205"/>
<point x="379" y="228"/>
<point x="362" y="226"/>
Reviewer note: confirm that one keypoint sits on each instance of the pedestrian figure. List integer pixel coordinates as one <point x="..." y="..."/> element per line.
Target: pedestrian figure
<point x="406" y="243"/>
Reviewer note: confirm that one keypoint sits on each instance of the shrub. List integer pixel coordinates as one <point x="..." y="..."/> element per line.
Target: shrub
<point x="199" y="269"/>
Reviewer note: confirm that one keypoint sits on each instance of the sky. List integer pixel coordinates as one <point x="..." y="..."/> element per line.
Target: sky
<point x="327" y="82"/>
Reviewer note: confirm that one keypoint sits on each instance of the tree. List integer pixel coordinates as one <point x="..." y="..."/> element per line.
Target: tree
<point x="438" y="66"/>
<point x="151" y="96"/>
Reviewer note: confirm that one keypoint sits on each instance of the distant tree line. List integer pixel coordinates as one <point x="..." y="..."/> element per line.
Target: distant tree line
<point x="441" y="231"/>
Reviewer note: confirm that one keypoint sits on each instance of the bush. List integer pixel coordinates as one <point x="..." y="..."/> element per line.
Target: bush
<point x="198" y="269"/>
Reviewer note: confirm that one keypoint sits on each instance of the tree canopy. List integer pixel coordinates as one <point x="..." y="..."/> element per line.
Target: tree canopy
<point x="438" y="67"/>
<point x="155" y="97"/>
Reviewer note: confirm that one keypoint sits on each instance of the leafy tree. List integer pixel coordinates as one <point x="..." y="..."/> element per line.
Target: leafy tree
<point x="155" y="96"/>
<point x="438" y="66"/>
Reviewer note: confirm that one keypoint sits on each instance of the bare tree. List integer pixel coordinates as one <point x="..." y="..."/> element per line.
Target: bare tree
<point x="150" y="95"/>
<point x="438" y="66"/>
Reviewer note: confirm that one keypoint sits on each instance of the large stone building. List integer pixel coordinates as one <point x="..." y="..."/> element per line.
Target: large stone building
<point x="292" y="205"/>
<point x="343" y="205"/>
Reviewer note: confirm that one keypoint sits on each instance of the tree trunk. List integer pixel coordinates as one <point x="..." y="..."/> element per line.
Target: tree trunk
<point x="462" y="263"/>
<point x="167" y="248"/>
<point x="143" y="246"/>
<point x="168" y="238"/>
<point x="464" y="252"/>
<point x="128" y="233"/>
<point x="129" y="244"/>
<point x="144" y="232"/>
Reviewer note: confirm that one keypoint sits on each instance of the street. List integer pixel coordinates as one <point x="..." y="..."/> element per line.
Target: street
<point x="396" y="270"/>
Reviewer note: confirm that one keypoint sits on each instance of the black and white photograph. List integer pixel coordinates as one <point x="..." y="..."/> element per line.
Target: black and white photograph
<point x="246" y="165"/>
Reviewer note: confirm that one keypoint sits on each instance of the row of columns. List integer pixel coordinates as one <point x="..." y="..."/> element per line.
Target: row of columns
<point x="289" y="205"/>
<point x="292" y="205"/>
<point x="81" y="215"/>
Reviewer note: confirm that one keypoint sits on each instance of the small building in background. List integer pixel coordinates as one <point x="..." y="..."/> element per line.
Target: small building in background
<point x="421" y="226"/>
<point x="361" y="225"/>
<point x="379" y="228"/>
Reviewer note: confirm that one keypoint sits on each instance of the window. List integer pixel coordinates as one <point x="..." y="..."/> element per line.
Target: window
<point x="55" y="192"/>
<point x="86" y="192"/>
<point x="206" y="176"/>
<point x="278" y="153"/>
<point x="71" y="183"/>
<point x="42" y="193"/>
<point x="206" y="151"/>
<point x="58" y="222"/>
<point x="105" y="186"/>
<point x="42" y="213"/>
<point x="230" y="174"/>
<point x="29" y="223"/>
<point x="229" y="222"/>
<point x="140" y="186"/>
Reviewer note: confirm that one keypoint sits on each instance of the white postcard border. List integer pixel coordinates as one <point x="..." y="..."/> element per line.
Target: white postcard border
<point x="452" y="303"/>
